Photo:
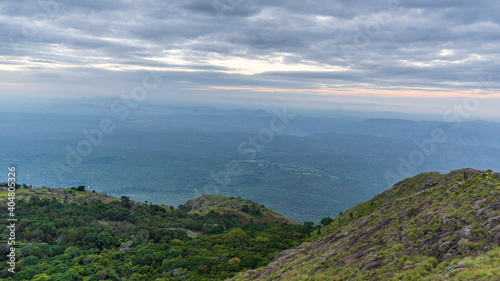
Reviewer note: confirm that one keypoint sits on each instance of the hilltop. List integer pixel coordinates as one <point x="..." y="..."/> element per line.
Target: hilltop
<point x="248" y="209"/>
<point x="63" y="195"/>
<point x="429" y="227"/>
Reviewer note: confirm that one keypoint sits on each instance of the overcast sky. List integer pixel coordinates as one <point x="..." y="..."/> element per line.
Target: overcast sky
<point x="421" y="56"/>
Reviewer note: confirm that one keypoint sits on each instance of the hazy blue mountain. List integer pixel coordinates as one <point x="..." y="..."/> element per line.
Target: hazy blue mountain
<point x="316" y="166"/>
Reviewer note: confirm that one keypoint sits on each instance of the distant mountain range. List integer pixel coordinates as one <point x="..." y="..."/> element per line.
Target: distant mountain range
<point x="317" y="165"/>
<point x="429" y="227"/>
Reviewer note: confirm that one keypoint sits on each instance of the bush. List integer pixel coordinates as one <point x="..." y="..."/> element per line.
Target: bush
<point x="251" y="261"/>
<point x="31" y="260"/>
<point x="326" y="221"/>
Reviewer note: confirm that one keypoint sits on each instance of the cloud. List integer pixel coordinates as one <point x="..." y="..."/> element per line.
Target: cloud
<point x="292" y="44"/>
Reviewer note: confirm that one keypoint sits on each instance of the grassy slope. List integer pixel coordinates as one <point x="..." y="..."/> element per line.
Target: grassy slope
<point x="429" y="227"/>
<point x="63" y="195"/>
<point x="201" y="205"/>
<point x="206" y="203"/>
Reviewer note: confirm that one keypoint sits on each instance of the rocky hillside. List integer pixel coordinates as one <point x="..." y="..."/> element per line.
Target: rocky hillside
<point x="429" y="227"/>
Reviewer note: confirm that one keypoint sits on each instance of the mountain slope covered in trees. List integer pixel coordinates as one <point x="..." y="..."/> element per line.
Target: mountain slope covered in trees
<point x="69" y="234"/>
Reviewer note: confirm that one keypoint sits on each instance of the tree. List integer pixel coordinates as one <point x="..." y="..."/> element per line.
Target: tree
<point x="125" y="202"/>
<point x="185" y="208"/>
<point x="255" y="211"/>
<point x="31" y="260"/>
<point x="203" y="269"/>
<point x="245" y="208"/>
<point x="75" y="235"/>
<point x="217" y="229"/>
<point x="326" y="221"/>
<point x="307" y="227"/>
<point x="41" y="277"/>
<point x="251" y="261"/>
<point x="236" y="235"/>
<point x="102" y="240"/>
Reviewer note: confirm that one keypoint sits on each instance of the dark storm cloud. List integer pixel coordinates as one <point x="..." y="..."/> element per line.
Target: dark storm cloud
<point x="445" y="44"/>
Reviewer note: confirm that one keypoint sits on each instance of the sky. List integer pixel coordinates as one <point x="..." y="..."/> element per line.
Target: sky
<point x="430" y="57"/>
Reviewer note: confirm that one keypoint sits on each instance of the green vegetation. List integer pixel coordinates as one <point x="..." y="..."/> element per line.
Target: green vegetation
<point x="429" y="227"/>
<point x="72" y="234"/>
<point x="326" y="221"/>
<point x="229" y="205"/>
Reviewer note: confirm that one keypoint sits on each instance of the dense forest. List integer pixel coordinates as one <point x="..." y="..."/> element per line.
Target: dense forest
<point x="73" y="234"/>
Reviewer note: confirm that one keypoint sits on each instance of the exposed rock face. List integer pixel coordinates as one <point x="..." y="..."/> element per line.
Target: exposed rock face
<point x="462" y="242"/>
<point x="477" y="204"/>
<point x="466" y="231"/>
<point x="283" y="254"/>
<point x="445" y="246"/>
<point x="469" y="172"/>
<point x="176" y="272"/>
<point x="496" y="239"/>
<point x="495" y="206"/>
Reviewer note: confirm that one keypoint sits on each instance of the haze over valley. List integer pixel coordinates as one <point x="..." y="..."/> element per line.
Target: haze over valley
<point x="309" y="167"/>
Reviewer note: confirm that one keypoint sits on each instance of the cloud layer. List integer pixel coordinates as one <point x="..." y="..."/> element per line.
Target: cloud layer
<point x="90" y="48"/>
